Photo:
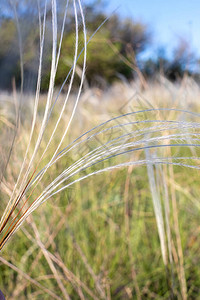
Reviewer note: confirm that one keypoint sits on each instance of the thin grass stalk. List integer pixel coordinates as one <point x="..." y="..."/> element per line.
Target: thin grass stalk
<point x="129" y="141"/>
<point x="157" y="206"/>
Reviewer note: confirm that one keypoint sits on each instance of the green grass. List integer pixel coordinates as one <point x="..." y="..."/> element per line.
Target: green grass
<point x="104" y="241"/>
<point x="130" y="233"/>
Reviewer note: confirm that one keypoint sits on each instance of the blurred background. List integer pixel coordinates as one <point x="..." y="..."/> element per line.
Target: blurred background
<point x="139" y="39"/>
<point x="99" y="238"/>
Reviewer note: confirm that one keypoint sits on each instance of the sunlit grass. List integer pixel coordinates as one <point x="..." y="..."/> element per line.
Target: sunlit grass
<point x="128" y="233"/>
<point x="103" y="229"/>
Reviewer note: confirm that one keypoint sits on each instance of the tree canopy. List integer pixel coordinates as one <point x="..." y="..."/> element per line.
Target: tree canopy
<point x="114" y="51"/>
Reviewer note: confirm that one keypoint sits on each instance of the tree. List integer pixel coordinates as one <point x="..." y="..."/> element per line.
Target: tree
<point x="183" y="60"/>
<point x="112" y="51"/>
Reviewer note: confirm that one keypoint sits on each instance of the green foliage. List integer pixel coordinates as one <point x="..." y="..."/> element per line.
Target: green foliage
<point x="118" y="40"/>
<point x="102" y="61"/>
<point x="113" y="52"/>
<point x="7" y="34"/>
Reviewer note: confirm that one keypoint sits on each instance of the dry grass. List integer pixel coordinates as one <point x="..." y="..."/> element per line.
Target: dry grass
<point x="112" y="236"/>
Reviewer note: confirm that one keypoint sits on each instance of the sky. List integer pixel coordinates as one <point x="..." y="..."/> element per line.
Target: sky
<point x="168" y="19"/>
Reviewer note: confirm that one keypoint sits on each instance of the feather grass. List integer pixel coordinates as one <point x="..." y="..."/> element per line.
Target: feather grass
<point x="145" y="132"/>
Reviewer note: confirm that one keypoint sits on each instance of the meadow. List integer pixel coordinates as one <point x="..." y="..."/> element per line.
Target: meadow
<point x="99" y="188"/>
<point x="98" y="239"/>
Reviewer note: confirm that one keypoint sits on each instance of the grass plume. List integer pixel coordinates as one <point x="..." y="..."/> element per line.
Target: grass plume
<point x="159" y="138"/>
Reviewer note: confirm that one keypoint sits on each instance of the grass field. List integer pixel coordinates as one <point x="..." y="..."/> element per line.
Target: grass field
<point x="99" y="189"/>
<point x="129" y="233"/>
